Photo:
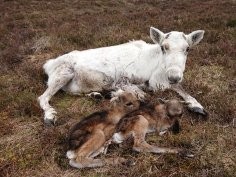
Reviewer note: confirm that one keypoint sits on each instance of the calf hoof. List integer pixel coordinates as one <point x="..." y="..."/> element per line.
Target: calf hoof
<point x="95" y="95"/>
<point x="199" y="111"/>
<point x="138" y="149"/>
<point x="117" y="138"/>
<point x="129" y="163"/>
<point x="74" y="164"/>
<point x="185" y="153"/>
<point x="70" y="154"/>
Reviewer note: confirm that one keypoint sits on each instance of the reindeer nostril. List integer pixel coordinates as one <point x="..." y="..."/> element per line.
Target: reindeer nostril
<point x="174" y="80"/>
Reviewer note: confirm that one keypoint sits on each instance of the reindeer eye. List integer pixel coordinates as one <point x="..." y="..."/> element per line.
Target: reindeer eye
<point x="165" y="47"/>
<point x="162" y="49"/>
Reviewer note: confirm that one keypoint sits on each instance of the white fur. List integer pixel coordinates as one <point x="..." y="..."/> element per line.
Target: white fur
<point x="104" y="67"/>
<point x="74" y="164"/>
<point x="94" y="94"/>
<point x="70" y="154"/>
<point x="162" y="132"/>
<point x="117" y="138"/>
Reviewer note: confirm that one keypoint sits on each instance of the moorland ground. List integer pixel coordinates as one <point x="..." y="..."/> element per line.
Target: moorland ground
<point x="33" y="31"/>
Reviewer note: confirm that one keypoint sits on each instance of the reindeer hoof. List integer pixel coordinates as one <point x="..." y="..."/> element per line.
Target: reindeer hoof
<point x="50" y="117"/>
<point x="200" y="111"/>
<point x="50" y="122"/>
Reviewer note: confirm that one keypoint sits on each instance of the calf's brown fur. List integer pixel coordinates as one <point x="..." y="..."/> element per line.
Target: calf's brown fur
<point x="150" y="118"/>
<point x="91" y="136"/>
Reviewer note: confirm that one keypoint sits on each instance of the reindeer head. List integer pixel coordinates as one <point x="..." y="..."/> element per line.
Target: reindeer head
<point x="175" y="47"/>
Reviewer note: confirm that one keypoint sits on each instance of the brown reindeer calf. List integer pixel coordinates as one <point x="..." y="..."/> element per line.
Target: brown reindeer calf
<point x="91" y="136"/>
<point x="150" y="118"/>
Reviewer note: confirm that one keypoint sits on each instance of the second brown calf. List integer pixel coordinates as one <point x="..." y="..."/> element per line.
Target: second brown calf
<point x="150" y="118"/>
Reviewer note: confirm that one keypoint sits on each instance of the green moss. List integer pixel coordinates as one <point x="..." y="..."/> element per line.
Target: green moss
<point x="231" y="23"/>
<point x="64" y="101"/>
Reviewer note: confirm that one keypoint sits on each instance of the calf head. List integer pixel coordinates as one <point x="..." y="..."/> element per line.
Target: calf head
<point x="169" y="114"/>
<point x="175" y="47"/>
<point x="125" y="101"/>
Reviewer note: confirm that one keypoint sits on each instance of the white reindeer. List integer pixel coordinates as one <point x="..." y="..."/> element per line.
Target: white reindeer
<point x="159" y="66"/>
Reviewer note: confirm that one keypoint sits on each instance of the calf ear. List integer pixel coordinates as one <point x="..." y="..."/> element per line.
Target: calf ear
<point x="156" y="35"/>
<point x="195" y="37"/>
<point x="115" y="100"/>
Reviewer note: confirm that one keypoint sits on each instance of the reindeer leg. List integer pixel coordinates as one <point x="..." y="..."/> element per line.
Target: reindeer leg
<point x="193" y="104"/>
<point x="59" y="78"/>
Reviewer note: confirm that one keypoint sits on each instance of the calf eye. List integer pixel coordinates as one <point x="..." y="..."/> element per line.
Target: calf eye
<point x="129" y="104"/>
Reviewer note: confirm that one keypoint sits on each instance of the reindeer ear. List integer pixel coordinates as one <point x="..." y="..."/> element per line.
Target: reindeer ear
<point x="195" y="37"/>
<point x="156" y="35"/>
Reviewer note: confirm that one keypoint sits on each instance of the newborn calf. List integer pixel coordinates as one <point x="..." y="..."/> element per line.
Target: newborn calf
<point x="91" y="136"/>
<point x="150" y="118"/>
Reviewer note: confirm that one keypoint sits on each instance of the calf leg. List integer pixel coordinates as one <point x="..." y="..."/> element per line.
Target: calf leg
<point x="59" y="78"/>
<point x="119" y="137"/>
<point x="143" y="146"/>
<point x="139" y="131"/>
<point x="84" y="155"/>
<point x="102" y="150"/>
<point x="95" y="95"/>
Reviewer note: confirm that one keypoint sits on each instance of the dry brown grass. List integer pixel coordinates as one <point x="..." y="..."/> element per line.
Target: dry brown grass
<point x="33" y="31"/>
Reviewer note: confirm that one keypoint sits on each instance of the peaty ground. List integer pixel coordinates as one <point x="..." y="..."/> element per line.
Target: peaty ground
<point x="33" y="31"/>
